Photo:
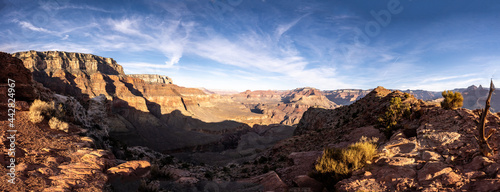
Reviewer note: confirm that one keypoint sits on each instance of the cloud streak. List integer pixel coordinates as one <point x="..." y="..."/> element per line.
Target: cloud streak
<point x="287" y="45"/>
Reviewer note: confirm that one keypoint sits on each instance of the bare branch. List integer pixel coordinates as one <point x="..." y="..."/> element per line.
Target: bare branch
<point x="483" y="139"/>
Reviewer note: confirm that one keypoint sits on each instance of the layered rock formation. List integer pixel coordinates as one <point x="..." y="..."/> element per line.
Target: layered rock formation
<point x="143" y="109"/>
<point x="51" y="61"/>
<point x="47" y="159"/>
<point x="434" y="150"/>
<point x="475" y="97"/>
<point x="152" y="78"/>
<point x="345" y="96"/>
<point x="283" y="107"/>
<point x="20" y="78"/>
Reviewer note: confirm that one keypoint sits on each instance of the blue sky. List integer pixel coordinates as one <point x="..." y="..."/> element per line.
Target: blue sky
<point x="266" y="44"/>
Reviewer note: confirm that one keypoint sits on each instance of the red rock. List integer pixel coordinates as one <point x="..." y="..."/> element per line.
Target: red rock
<point x="131" y="170"/>
<point x="187" y="180"/>
<point x="21" y="80"/>
<point x="304" y="181"/>
<point x="303" y="163"/>
<point x="126" y="176"/>
<point x="492" y="169"/>
<point x="432" y="170"/>
<point x="486" y="185"/>
<point x="478" y="163"/>
<point x="431" y="156"/>
<point x="451" y="178"/>
<point x="269" y="181"/>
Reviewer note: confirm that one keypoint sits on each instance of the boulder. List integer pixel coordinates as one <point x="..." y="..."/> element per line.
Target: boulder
<point x="126" y="176"/>
<point x="269" y="182"/>
<point x="304" y="181"/>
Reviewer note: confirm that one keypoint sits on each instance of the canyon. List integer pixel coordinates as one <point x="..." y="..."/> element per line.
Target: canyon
<point x="247" y="141"/>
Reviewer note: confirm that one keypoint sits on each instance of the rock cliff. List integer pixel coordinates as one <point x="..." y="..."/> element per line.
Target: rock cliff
<point x="433" y="150"/>
<point x="283" y="107"/>
<point x="152" y="78"/>
<point x="51" y="160"/>
<point x="72" y="62"/>
<point x="144" y="109"/>
<point x="475" y="97"/>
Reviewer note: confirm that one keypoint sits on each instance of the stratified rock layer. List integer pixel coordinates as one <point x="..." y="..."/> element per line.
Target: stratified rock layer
<point x="435" y="149"/>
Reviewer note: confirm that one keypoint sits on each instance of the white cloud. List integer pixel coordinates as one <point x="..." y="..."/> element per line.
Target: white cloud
<point x="28" y="25"/>
<point x="285" y="27"/>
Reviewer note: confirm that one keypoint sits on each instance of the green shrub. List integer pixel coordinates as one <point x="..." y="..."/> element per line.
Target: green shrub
<point x="452" y="100"/>
<point x="55" y="123"/>
<point x="39" y="110"/>
<point x="395" y="112"/>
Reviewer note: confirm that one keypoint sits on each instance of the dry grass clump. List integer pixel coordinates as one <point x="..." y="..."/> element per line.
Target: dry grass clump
<point x="39" y="110"/>
<point x="344" y="161"/>
<point x="55" y="123"/>
<point x="336" y="164"/>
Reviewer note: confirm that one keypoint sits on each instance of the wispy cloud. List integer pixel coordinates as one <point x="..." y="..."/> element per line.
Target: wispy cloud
<point x="285" y="27"/>
<point x="28" y="25"/>
<point x="311" y="45"/>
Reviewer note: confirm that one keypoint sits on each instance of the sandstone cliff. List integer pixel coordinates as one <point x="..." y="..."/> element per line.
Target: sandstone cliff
<point x="152" y="78"/>
<point x="345" y="96"/>
<point x="72" y="62"/>
<point x="283" y="107"/>
<point x="144" y="109"/>
<point x="48" y="159"/>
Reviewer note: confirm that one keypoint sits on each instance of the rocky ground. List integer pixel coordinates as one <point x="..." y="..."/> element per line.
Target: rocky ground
<point x="435" y="149"/>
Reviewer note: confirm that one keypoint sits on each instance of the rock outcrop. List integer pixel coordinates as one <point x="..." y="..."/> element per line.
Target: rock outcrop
<point x="152" y="78"/>
<point x="283" y="107"/>
<point x="51" y="61"/>
<point x="21" y="80"/>
<point x="434" y="150"/>
<point x="47" y="159"/>
<point x="126" y="176"/>
<point x="475" y="97"/>
<point x="345" y="96"/>
<point x="143" y="109"/>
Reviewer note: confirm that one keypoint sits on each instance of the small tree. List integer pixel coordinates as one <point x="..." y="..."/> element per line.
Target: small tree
<point x="452" y="100"/>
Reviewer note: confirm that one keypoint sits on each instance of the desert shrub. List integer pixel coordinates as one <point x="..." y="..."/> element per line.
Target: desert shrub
<point x="209" y="175"/>
<point x="395" y="112"/>
<point x="452" y="100"/>
<point x="336" y="164"/>
<point x="167" y="160"/>
<point x="55" y="123"/>
<point x="149" y="186"/>
<point x="39" y="110"/>
<point x="158" y="173"/>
